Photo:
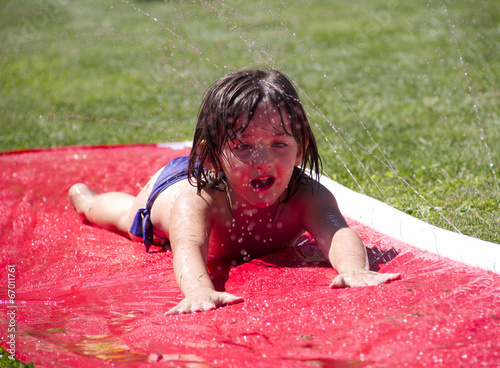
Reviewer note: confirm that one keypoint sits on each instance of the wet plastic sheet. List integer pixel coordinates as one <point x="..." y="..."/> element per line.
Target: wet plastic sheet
<point x="87" y="297"/>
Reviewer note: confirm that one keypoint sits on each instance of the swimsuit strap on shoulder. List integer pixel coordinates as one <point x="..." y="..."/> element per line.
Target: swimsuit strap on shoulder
<point x="173" y="172"/>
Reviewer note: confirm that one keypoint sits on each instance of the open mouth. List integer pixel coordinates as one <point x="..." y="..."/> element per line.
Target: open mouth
<point x="263" y="183"/>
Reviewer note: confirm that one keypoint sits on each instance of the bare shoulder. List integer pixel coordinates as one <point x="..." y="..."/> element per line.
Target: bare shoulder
<point x="313" y="194"/>
<point x="182" y="197"/>
<point x="180" y="205"/>
<point x="319" y="209"/>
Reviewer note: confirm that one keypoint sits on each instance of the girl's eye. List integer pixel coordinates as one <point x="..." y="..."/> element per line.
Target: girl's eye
<point x="279" y="144"/>
<point x="243" y="147"/>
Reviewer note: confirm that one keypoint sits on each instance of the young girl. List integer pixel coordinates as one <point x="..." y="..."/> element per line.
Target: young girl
<point x="243" y="192"/>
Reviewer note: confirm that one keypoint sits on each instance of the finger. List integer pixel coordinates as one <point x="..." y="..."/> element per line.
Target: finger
<point x="338" y="282"/>
<point x="207" y="306"/>
<point x="180" y="308"/>
<point x="176" y="310"/>
<point x="226" y="298"/>
<point x="196" y="307"/>
<point x="391" y="276"/>
<point x="382" y="278"/>
<point x="372" y="282"/>
<point x="394" y="276"/>
<point x="202" y="307"/>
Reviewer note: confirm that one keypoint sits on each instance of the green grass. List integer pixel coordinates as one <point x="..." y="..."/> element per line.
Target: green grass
<point x="6" y="361"/>
<point x="387" y="75"/>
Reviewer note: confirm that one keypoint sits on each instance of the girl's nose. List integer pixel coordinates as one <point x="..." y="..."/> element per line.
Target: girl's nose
<point x="262" y="159"/>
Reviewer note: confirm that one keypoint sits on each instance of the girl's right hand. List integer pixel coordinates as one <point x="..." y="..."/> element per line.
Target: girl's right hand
<point x="204" y="300"/>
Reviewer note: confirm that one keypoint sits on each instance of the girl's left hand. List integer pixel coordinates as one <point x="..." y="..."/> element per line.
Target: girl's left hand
<point x="362" y="277"/>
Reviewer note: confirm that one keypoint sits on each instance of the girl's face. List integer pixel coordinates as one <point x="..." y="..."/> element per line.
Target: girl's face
<point x="260" y="160"/>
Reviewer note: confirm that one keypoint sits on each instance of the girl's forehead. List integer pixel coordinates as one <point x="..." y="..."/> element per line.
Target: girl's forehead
<point x="266" y="116"/>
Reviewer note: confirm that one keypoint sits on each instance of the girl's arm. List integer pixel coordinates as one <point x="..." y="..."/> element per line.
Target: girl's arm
<point x="340" y="244"/>
<point x="190" y="228"/>
<point x="347" y="255"/>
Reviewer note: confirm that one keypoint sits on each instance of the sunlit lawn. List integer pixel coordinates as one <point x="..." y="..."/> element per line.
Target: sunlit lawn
<point x="394" y="111"/>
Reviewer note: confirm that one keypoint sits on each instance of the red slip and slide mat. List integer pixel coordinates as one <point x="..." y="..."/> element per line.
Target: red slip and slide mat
<point x="86" y="297"/>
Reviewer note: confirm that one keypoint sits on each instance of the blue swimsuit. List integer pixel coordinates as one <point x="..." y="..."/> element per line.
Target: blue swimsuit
<point x="173" y="172"/>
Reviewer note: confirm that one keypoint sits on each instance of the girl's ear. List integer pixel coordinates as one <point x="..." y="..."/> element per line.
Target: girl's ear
<point x="300" y="153"/>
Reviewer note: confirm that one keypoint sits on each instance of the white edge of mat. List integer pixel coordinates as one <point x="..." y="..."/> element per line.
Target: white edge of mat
<point x="405" y="228"/>
<point x="409" y="230"/>
<point x="175" y="145"/>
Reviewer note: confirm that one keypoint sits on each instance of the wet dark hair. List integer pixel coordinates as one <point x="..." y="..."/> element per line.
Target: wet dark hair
<point x="239" y="93"/>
